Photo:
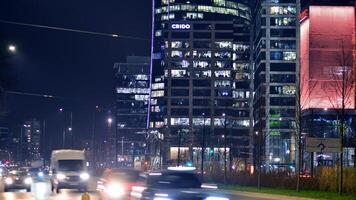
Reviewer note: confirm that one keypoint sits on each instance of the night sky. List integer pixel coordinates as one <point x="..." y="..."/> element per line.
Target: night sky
<point x="74" y="65"/>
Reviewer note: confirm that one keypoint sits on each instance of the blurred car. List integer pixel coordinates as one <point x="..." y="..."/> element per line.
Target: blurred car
<point x="177" y="183"/>
<point x="118" y="183"/>
<point x="38" y="174"/>
<point x="17" y="179"/>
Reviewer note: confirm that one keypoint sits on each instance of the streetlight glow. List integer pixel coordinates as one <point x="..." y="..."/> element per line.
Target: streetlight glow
<point x="110" y="120"/>
<point x="12" y="48"/>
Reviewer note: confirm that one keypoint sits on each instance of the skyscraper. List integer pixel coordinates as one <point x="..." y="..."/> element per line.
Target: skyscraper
<point x="31" y="138"/>
<point x="201" y="79"/>
<point x="132" y="96"/>
<point x="276" y="65"/>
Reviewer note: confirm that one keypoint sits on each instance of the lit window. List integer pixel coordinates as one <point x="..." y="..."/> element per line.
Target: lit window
<point x="179" y="73"/>
<point x="200" y="121"/>
<point x="223" y="74"/>
<point x="153" y="101"/>
<point x="156" y="86"/>
<point x="176" y="44"/>
<point x="158" y="33"/>
<point x="132" y="90"/>
<point x="223" y="64"/>
<point x="190" y="15"/>
<point x="223" y="55"/>
<point x="179" y="121"/>
<point x="242" y="76"/>
<point x="202" y="74"/>
<point x="177" y="54"/>
<point x="201" y="54"/>
<point x="158" y="93"/>
<point x="180" y="64"/>
<point x="222" y="83"/>
<point x="141" y="97"/>
<point x="283" y="10"/>
<point x="200" y="64"/>
<point x="223" y="44"/>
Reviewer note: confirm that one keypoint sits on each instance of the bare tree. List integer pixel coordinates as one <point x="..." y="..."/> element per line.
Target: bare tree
<point x="342" y="86"/>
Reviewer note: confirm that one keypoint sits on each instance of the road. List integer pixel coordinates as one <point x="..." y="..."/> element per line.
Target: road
<point x="41" y="191"/>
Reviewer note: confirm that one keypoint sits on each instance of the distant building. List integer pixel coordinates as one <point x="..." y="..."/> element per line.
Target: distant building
<point x="132" y="96"/>
<point x="31" y="140"/>
<point x="6" y="151"/>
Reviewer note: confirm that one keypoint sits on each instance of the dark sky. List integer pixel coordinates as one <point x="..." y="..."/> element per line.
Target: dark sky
<point x="74" y="65"/>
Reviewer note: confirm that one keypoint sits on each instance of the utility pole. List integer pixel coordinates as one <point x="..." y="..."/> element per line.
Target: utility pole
<point x="179" y="144"/>
<point x="225" y="151"/>
<point x="203" y="149"/>
<point x="43" y="143"/>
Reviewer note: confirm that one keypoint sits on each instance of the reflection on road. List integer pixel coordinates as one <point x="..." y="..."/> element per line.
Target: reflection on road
<point x="42" y="191"/>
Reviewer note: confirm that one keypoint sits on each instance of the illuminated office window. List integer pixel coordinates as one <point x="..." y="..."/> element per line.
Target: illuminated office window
<point x="179" y="121"/>
<point x="179" y="73"/>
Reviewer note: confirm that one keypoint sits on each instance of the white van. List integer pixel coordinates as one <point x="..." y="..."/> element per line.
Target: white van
<point x="68" y="170"/>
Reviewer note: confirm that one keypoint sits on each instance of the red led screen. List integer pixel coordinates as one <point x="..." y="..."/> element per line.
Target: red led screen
<point x="328" y="57"/>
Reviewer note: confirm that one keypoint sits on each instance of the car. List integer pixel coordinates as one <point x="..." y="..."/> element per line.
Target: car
<point x="17" y="179"/>
<point x="177" y="183"/>
<point x="118" y="183"/>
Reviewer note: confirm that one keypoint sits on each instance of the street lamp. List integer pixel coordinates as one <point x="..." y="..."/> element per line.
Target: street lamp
<point x="12" y="48"/>
<point x="110" y="120"/>
<point x="203" y="148"/>
<point x="225" y="151"/>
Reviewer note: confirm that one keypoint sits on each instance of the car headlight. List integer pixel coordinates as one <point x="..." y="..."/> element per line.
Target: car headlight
<point x="216" y="198"/>
<point x="28" y="181"/>
<point x="40" y="174"/>
<point x="161" y="196"/>
<point x="61" y="177"/>
<point x="114" y="190"/>
<point x="9" y="181"/>
<point x="84" y="176"/>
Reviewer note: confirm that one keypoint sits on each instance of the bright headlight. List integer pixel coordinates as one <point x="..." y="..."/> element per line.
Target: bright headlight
<point x="9" y="181"/>
<point x="216" y="198"/>
<point x="84" y="176"/>
<point x="40" y="174"/>
<point x="114" y="190"/>
<point x="28" y="181"/>
<point x="162" y="198"/>
<point x="61" y="177"/>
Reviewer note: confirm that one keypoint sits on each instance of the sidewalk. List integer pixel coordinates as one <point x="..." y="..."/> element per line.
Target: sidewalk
<point x="265" y="195"/>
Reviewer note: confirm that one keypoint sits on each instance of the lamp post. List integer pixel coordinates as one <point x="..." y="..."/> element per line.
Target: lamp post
<point x="225" y="151"/>
<point x="258" y="160"/>
<point x="179" y="144"/>
<point x="203" y="148"/>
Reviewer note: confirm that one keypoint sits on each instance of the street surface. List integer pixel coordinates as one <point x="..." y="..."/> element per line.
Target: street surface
<point x="41" y="191"/>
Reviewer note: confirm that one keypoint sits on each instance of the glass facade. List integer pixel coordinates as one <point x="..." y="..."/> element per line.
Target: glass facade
<point x="276" y="64"/>
<point x="201" y="58"/>
<point x="132" y="98"/>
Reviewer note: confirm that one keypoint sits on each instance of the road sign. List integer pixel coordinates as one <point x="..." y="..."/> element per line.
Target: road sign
<point x="323" y="145"/>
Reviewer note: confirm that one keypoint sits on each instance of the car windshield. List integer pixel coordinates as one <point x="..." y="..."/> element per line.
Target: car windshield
<point x="70" y="165"/>
<point x="174" y="180"/>
<point x="18" y="173"/>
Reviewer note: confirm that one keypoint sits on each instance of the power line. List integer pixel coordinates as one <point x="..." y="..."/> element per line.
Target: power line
<point x="39" y="95"/>
<point x="114" y="35"/>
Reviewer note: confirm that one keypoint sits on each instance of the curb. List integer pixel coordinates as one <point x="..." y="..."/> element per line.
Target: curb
<point x="266" y="195"/>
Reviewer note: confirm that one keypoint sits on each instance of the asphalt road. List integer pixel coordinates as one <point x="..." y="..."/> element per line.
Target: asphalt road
<point x="41" y="191"/>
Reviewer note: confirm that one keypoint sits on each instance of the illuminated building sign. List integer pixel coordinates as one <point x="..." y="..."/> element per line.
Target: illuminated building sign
<point x="180" y="26"/>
